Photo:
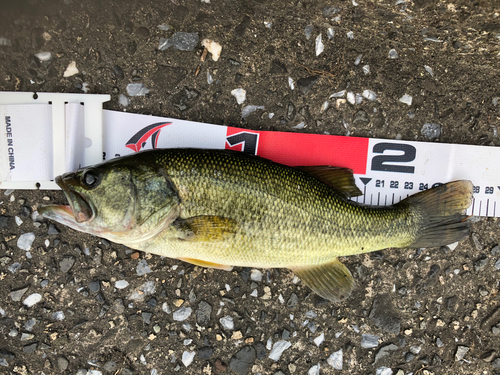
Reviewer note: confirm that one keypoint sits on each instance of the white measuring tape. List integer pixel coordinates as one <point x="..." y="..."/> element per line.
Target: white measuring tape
<point x="35" y="147"/>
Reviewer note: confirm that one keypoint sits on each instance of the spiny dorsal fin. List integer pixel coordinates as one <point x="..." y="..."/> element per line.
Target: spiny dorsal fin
<point x="340" y="179"/>
<point x="332" y="281"/>
<point x="205" y="228"/>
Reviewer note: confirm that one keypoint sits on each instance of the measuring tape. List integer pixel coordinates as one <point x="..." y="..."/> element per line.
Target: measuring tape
<point x="386" y="171"/>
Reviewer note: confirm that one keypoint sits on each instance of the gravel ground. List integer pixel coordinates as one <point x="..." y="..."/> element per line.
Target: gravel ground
<point x="73" y="303"/>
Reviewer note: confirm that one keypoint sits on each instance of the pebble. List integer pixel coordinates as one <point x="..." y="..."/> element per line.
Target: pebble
<point x="243" y="360"/>
<point x="123" y="100"/>
<point x="213" y="48"/>
<point x="16" y="295"/>
<point x="62" y="363"/>
<point x="308" y="31"/>
<point x="28" y="326"/>
<point x="292" y="301"/>
<point x="496" y="363"/>
<point x="144" y="290"/>
<point x="393" y="54"/>
<point x="95" y="286"/>
<point x="26" y="336"/>
<point x="30" y="348"/>
<point x="330" y="32"/>
<point x="247" y="110"/>
<point x="314" y="370"/>
<point x="256" y="275"/>
<point x="497" y="264"/>
<point x="71" y="70"/>
<point x="278" y="349"/>
<point x="110" y="366"/>
<point x="366" y="69"/>
<point x="439" y="343"/>
<point x="351" y="98"/>
<point x="383" y="316"/>
<point x="3" y="362"/>
<point x="203" y="313"/>
<point x="185" y="41"/>
<point x="350" y="35"/>
<point x="121" y="284"/>
<point x="339" y="94"/>
<point x="240" y="95"/>
<point x="205" y="352"/>
<point x="304" y="84"/>
<point x="429" y="70"/>
<point x="370" y="95"/>
<point x="18" y="221"/>
<point x="166" y="308"/>
<point x="335" y="360"/>
<point x="227" y="322"/>
<point x="187" y="358"/>
<point x="320" y="47"/>
<point x="14" y="267"/>
<point x="480" y="264"/>
<point x="369" y="341"/>
<point x="58" y="315"/>
<point x="319" y="340"/>
<point x="406" y="99"/>
<point x="431" y="131"/>
<point x="384" y="352"/>
<point x="25" y="241"/>
<point x="66" y="263"/>
<point x="182" y="314"/>
<point x="460" y="353"/>
<point x="165" y="43"/>
<point x="143" y="268"/>
<point x="137" y="89"/>
<point x="52" y="230"/>
<point x="383" y="371"/>
<point x="32" y="299"/>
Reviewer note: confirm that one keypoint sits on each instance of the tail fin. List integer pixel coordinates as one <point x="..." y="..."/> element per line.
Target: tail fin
<point x="441" y="213"/>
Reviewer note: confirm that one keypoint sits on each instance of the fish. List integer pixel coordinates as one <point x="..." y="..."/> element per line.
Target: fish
<point x="223" y="208"/>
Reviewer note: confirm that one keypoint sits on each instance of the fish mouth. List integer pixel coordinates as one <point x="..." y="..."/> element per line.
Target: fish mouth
<point x="79" y="210"/>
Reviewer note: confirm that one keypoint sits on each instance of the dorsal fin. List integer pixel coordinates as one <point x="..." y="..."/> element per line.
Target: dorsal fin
<point x="340" y="179"/>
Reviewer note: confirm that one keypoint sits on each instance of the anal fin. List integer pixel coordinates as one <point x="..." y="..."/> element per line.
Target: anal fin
<point x="332" y="281"/>
<point x="203" y="263"/>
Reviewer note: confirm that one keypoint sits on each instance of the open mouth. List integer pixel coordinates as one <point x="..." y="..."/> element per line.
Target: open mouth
<point x="79" y="210"/>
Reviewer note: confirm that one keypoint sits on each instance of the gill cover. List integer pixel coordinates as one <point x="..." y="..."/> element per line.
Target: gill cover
<point x="119" y="200"/>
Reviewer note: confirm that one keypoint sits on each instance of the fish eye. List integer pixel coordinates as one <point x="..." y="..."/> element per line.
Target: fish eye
<point x="90" y="179"/>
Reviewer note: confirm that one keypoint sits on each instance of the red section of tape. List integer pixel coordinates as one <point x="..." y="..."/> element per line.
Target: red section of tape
<point x="302" y="149"/>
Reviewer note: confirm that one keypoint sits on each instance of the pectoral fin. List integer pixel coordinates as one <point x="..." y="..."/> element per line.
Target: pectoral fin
<point x="332" y="281"/>
<point x="202" y="263"/>
<point x="205" y="228"/>
<point x="341" y="179"/>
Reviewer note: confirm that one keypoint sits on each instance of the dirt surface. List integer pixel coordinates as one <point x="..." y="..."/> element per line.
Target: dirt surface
<point x="432" y="311"/>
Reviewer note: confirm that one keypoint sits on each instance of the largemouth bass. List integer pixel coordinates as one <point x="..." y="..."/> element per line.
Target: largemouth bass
<point x="216" y="208"/>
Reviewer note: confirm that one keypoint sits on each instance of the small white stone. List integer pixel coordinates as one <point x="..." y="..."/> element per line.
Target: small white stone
<point x="32" y="299"/>
<point x="406" y="99"/>
<point x="210" y="80"/>
<point x="213" y="47"/>
<point x="227" y="322"/>
<point x="254" y="293"/>
<point x="330" y="33"/>
<point x="256" y="275"/>
<point x="366" y="69"/>
<point x="325" y="106"/>
<point x="123" y="100"/>
<point x="25" y="241"/>
<point x="187" y="358"/>
<point x="350" y="35"/>
<point x="18" y="221"/>
<point x="319" y="45"/>
<point x="44" y="56"/>
<point x="452" y="246"/>
<point x="429" y="70"/>
<point x="182" y="314"/>
<point x="383" y="371"/>
<point x="370" y="95"/>
<point x="58" y="315"/>
<point x="393" y="54"/>
<point x="121" y="284"/>
<point x="240" y="95"/>
<point x="47" y="243"/>
<point x="358" y="60"/>
<point x="339" y="94"/>
<point x="335" y="360"/>
<point x="351" y="98"/>
<point x="314" y="370"/>
<point x="278" y="349"/>
<point x="268" y="24"/>
<point x="291" y="83"/>
<point x="319" y="340"/>
<point x="71" y="70"/>
<point x="302" y="125"/>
